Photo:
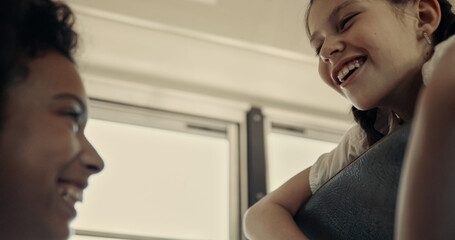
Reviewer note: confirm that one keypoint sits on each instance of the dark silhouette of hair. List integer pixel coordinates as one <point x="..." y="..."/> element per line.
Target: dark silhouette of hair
<point x="29" y="29"/>
<point x="366" y="119"/>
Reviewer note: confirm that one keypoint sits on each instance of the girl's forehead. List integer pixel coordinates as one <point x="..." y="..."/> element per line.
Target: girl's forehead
<point x="326" y="8"/>
<point x="321" y="11"/>
<point x="51" y="75"/>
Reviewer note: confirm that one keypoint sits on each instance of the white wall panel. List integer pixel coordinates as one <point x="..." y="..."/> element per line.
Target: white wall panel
<point x="128" y="49"/>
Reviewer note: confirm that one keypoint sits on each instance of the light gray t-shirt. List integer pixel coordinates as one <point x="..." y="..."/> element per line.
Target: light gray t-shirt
<point x="353" y="143"/>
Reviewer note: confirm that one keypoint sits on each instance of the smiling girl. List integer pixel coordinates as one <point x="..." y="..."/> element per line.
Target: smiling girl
<point x="372" y="53"/>
<point x="45" y="159"/>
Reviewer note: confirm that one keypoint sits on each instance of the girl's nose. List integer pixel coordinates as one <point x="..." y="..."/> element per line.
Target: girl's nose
<point x="329" y="50"/>
<point x="91" y="160"/>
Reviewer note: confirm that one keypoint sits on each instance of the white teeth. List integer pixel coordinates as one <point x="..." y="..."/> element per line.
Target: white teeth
<point x="347" y="68"/>
<point x="71" y="194"/>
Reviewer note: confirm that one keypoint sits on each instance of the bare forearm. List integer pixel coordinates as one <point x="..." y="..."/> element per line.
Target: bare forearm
<point x="272" y="217"/>
<point x="270" y="221"/>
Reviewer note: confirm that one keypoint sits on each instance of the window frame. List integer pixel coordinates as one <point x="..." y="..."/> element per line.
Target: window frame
<point x="161" y="119"/>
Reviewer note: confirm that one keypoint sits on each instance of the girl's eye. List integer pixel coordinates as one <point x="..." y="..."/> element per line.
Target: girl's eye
<point x="75" y="117"/>
<point x="346" y="20"/>
<point x="318" y="51"/>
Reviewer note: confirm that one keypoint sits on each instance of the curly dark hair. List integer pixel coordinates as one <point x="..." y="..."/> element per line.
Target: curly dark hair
<point x="29" y="29"/>
<point x="366" y="119"/>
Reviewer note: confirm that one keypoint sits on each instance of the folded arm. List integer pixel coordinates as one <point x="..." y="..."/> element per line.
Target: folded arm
<point x="272" y="217"/>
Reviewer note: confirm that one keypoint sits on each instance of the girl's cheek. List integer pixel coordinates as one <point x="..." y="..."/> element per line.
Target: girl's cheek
<point x="324" y="73"/>
<point x="66" y="143"/>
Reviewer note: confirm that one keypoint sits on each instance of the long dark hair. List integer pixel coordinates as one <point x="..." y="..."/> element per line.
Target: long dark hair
<point x="366" y="119"/>
<point x="28" y="30"/>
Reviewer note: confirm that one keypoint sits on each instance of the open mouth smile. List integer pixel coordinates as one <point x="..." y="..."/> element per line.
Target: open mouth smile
<point x="348" y="69"/>
<point x="70" y="193"/>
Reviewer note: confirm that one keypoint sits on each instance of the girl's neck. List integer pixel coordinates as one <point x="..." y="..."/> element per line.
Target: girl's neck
<point x="404" y="115"/>
<point x="404" y="104"/>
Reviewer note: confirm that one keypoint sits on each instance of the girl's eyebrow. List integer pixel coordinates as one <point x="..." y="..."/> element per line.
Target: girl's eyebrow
<point x="312" y="37"/>
<point x="334" y="14"/>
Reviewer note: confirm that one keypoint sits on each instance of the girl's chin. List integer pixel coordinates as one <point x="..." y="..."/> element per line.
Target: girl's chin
<point x="61" y="234"/>
<point x="362" y="104"/>
<point x="58" y="231"/>
<point x="363" y="108"/>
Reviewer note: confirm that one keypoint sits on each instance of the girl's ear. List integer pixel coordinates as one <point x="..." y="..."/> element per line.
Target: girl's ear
<point x="429" y="15"/>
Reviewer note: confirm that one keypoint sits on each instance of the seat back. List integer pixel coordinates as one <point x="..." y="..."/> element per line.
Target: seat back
<point x="359" y="201"/>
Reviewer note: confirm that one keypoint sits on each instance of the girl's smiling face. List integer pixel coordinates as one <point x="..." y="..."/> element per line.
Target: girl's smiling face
<point x="45" y="159"/>
<point x="369" y="52"/>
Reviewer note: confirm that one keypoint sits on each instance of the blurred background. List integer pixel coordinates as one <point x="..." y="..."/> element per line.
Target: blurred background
<point x="199" y="108"/>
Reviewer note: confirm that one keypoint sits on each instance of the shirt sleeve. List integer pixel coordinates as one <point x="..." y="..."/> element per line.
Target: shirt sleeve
<point x="353" y="144"/>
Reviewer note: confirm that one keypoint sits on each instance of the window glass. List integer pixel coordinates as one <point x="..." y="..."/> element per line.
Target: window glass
<point x="289" y="155"/>
<point x="156" y="183"/>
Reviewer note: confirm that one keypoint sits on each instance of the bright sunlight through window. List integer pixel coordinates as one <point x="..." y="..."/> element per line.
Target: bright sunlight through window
<point x="289" y="155"/>
<point x="156" y="183"/>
